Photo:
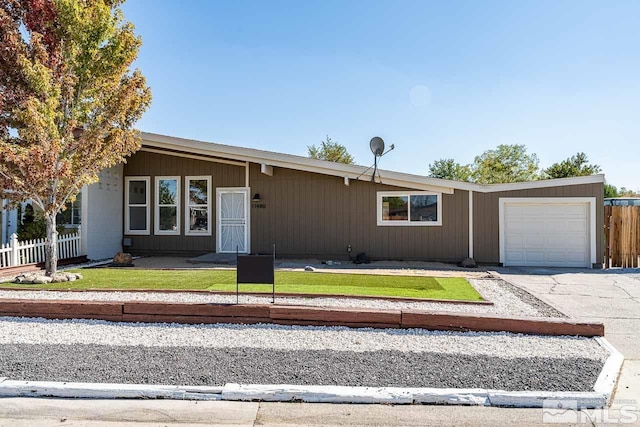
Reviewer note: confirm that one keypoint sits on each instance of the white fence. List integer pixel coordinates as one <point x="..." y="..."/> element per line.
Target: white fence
<point x="17" y="253"/>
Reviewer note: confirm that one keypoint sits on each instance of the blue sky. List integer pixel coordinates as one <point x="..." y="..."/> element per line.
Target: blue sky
<point x="437" y="79"/>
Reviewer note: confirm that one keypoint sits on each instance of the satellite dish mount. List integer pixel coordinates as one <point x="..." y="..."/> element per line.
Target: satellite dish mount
<point x="377" y="148"/>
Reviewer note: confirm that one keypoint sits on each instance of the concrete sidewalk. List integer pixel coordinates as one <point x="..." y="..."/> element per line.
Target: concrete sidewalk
<point x="23" y="412"/>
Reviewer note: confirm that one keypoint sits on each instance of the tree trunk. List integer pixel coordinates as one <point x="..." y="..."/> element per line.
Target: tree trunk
<point x="51" y="246"/>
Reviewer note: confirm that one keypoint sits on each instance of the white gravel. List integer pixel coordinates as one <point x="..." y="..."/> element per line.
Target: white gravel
<point x="277" y="337"/>
<point x="505" y="301"/>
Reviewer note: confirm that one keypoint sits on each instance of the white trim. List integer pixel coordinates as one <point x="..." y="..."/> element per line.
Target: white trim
<point x="84" y="219"/>
<point x="247" y="208"/>
<point x="381" y="223"/>
<point x="289" y="161"/>
<point x="416" y="182"/>
<point x="156" y="206"/>
<point x="346" y="181"/>
<point x="247" y="171"/>
<point x="127" y="228"/>
<point x="187" y="205"/>
<point x="470" y="224"/>
<point x="191" y="156"/>
<point x="555" y="200"/>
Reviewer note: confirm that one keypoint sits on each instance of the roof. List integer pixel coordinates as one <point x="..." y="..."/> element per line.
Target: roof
<point x="354" y="172"/>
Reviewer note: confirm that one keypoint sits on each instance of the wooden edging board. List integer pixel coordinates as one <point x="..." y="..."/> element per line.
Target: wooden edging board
<point x="265" y="294"/>
<point x="171" y="312"/>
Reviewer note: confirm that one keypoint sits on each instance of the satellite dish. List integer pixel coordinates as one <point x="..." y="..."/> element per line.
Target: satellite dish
<point x="377" y="146"/>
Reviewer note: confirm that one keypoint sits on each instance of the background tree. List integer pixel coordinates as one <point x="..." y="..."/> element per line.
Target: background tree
<point x="68" y="100"/>
<point x="331" y="151"/>
<point x="449" y="169"/>
<point x="610" y="191"/>
<point x="507" y="163"/>
<point x="577" y="165"/>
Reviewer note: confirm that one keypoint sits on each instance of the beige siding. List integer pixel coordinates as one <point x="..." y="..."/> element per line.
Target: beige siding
<point x="315" y="215"/>
<point x="152" y="164"/>
<point x="486" y="217"/>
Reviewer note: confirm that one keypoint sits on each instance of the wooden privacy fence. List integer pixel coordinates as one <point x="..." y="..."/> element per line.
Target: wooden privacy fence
<point x="622" y="233"/>
<point x="17" y="253"/>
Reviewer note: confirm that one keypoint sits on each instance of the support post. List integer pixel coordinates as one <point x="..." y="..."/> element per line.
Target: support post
<point x="237" y="282"/>
<point x="15" y="258"/>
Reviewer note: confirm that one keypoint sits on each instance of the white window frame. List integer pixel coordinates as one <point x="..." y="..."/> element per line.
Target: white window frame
<point x="187" y="205"/>
<point x="127" y="223"/>
<point x="156" y="225"/>
<point x="407" y="223"/>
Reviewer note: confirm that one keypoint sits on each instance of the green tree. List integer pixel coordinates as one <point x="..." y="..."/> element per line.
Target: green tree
<point x="331" y="151"/>
<point x="610" y="191"/>
<point x="449" y="169"/>
<point x="68" y="100"/>
<point x="577" y="165"/>
<point x="507" y="163"/>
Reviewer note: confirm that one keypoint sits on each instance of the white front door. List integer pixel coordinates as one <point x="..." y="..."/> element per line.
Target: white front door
<point x="233" y="220"/>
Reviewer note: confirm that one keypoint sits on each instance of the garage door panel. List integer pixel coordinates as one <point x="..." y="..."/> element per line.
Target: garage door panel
<point x="534" y="241"/>
<point x="546" y="234"/>
<point x="577" y="226"/>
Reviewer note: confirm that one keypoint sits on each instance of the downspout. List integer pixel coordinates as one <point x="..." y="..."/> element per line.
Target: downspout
<point x="470" y="224"/>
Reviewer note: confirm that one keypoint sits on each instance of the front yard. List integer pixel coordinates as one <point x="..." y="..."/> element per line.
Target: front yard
<point x="447" y="288"/>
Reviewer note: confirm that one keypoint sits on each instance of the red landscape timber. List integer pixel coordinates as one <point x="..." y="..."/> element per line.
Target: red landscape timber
<point x="491" y="323"/>
<point x="144" y="311"/>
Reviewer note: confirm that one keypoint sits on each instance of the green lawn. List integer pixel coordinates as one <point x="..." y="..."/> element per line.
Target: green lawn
<point x="453" y="288"/>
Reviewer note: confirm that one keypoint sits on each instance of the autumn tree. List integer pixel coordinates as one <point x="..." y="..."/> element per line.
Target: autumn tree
<point x="449" y="169"/>
<point x="68" y="100"/>
<point x="507" y="163"/>
<point x="331" y="151"/>
<point x="577" y="165"/>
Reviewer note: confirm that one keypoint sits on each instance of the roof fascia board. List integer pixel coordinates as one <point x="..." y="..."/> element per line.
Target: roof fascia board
<point x="289" y="161"/>
<point x="398" y="179"/>
<point x="542" y="183"/>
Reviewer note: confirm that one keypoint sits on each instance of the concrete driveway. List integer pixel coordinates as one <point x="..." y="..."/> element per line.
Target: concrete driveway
<point x="608" y="296"/>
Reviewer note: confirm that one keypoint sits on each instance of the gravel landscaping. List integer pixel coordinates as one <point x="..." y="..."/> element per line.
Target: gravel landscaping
<point x="199" y="366"/>
<point x="507" y="299"/>
<point x="98" y="351"/>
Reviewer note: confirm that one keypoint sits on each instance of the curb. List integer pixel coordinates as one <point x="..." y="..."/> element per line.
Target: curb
<point x="598" y="398"/>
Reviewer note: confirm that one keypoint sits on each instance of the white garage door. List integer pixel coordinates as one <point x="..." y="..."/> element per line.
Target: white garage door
<point x="546" y="234"/>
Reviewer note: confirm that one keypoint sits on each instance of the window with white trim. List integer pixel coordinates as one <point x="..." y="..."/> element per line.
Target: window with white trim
<point x="197" y="214"/>
<point x="167" y="213"/>
<point x="137" y="215"/>
<point x="409" y="208"/>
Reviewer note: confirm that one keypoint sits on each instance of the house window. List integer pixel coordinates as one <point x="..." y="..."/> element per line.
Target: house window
<point x="198" y="208"/>
<point x="409" y="208"/>
<point x="72" y="215"/>
<point x="136" y="219"/>
<point x="167" y="205"/>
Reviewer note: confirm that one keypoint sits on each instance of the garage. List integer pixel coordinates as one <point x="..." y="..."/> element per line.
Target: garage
<point x="547" y="232"/>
